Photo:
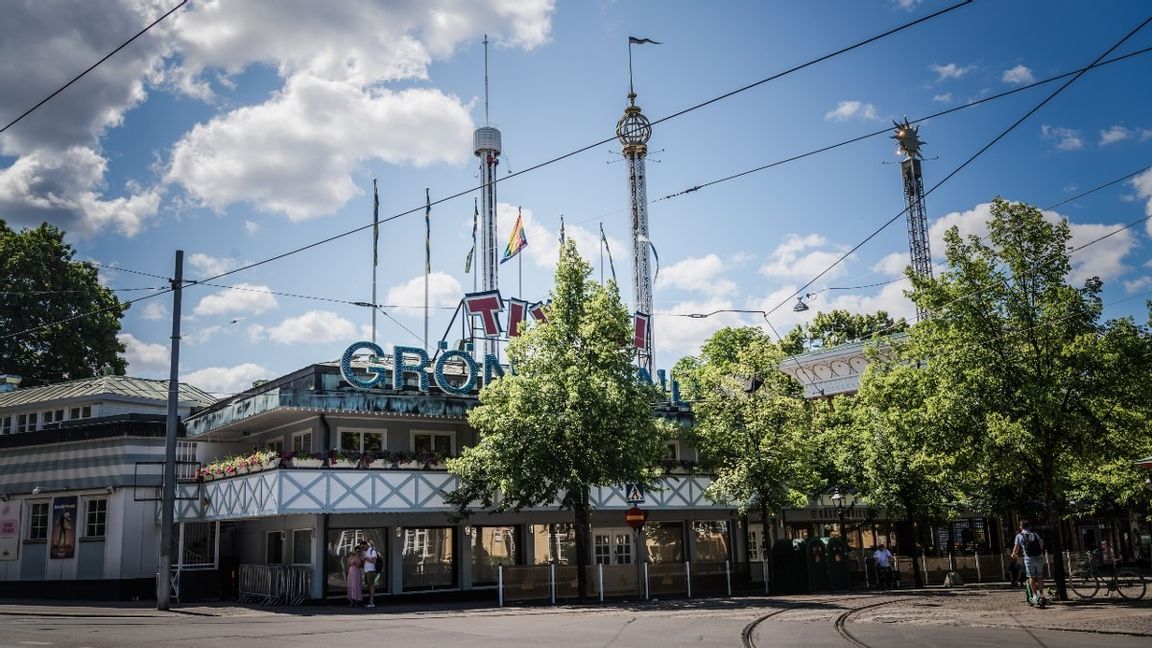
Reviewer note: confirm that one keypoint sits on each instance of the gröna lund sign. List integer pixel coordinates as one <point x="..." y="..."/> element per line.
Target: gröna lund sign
<point x="485" y="306"/>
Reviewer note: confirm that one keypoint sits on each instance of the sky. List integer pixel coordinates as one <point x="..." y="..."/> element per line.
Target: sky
<point x="242" y="131"/>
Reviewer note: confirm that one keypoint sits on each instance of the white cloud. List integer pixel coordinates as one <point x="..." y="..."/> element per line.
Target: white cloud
<point x="251" y="227"/>
<point x="951" y="71"/>
<point x="313" y="327"/>
<point x="246" y="298"/>
<point x="1143" y="186"/>
<point x="1138" y="284"/>
<point x="678" y="335"/>
<point x="544" y="242"/>
<point x="1067" y="139"/>
<point x="846" y="110"/>
<point x="408" y="298"/>
<point x="1019" y="75"/>
<point x="203" y="335"/>
<point x="1121" y="133"/>
<point x="906" y="5"/>
<point x="943" y="98"/>
<point x="792" y="258"/>
<point x="1104" y="259"/>
<point x="155" y="310"/>
<point x="700" y="274"/>
<point x="297" y="153"/>
<point x="359" y="42"/>
<point x="226" y="380"/>
<point x="144" y="358"/>
<point x="210" y="266"/>
<point x="58" y="186"/>
<point x="893" y="264"/>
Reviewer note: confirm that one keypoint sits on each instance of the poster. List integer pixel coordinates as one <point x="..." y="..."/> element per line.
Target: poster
<point x="10" y="530"/>
<point x="63" y="532"/>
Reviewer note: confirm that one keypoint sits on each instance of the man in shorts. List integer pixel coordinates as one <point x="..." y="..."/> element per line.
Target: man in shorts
<point x="1029" y="545"/>
<point x="371" y="571"/>
<point x="883" y="559"/>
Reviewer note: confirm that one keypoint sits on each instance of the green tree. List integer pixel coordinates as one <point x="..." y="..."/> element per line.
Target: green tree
<point x="41" y="287"/>
<point x="751" y="424"/>
<point x="839" y="327"/>
<point x="1017" y="362"/>
<point x="572" y="417"/>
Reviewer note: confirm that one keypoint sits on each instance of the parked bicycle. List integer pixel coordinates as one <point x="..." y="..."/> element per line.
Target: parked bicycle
<point x="1087" y="579"/>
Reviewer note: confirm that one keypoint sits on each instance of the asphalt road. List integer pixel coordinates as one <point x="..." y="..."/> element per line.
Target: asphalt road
<point x="714" y="623"/>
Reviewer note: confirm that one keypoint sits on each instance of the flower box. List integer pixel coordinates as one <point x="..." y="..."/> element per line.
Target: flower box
<point x="307" y="462"/>
<point x="344" y="464"/>
<point x="271" y="464"/>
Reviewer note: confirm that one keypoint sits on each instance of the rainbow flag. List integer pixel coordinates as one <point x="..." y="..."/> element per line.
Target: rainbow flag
<point x="518" y="241"/>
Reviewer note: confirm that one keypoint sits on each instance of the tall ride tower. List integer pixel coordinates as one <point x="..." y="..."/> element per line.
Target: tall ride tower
<point x="633" y="130"/>
<point x="909" y="140"/>
<point x="486" y="144"/>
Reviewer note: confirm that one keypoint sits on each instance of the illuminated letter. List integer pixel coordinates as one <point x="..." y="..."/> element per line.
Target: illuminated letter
<point x="469" y="366"/>
<point x="492" y="369"/>
<point x="400" y="365"/>
<point x="517" y="309"/>
<point x="487" y="305"/>
<point x="351" y="377"/>
<point x="640" y="324"/>
<point x="537" y="311"/>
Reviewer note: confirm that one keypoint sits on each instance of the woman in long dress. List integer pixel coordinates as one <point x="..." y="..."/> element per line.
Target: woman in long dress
<point x="355" y="577"/>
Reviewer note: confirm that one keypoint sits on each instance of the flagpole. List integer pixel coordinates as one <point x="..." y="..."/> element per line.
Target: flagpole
<point x="427" y="256"/>
<point x="601" y="253"/>
<point x="375" y="237"/>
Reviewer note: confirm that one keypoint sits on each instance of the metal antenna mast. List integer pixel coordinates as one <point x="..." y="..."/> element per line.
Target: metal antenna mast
<point x="909" y="140"/>
<point x="486" y="141"/>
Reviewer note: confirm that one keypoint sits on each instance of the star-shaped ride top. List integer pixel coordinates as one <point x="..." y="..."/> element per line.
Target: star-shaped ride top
<point x="908" y="138"/>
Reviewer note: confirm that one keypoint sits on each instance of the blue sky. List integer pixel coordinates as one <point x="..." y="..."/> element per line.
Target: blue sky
<point x="237" y="131"/>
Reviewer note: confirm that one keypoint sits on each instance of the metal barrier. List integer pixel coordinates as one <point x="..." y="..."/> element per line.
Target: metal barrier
<point x="274" y="584"/>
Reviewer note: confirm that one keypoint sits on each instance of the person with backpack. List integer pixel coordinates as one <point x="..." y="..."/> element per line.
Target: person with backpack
<point x="1029" y="544"/>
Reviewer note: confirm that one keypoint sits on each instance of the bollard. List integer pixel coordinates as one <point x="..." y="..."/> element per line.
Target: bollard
<point x="976" y="557"/>
<point x="765" y="561"/>
<point x="553" y="587"/>
<point x="600" y="579"/>
<point x="688" y="576"/>
<point x="728" y="576"/>
<point x="500" y="583"/>
<point x="647" y="594"/>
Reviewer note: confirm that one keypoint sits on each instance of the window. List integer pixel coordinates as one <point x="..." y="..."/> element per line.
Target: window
<point x="302" y="547"/>
<point x="352" y="440"/>
<point x="6" y="425"/>
<point x="96" y="518"/>
<point x="186" y="463"/>
<point x="672" y="451"/>
<point x="275" y="548"/>
<point x="429" y="559"/>
<point x="38" y="521"/>
<point x="492" y="546"/>
<point x="26" y="422"/>
<point x="54" y="416"/>
<point x="276" y="445"/>
<point x="80" y="412"/>
<point x="302" y="442"/>
<point x="437" y="442"/>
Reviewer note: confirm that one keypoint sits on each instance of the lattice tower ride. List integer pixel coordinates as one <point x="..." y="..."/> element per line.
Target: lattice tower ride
<point x="921" y="256"/>
<point x="486" y="144"/>
<point x="633" y="130"/>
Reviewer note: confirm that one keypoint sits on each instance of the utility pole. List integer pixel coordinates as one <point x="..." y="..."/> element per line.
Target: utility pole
<point x="168" y="497"/>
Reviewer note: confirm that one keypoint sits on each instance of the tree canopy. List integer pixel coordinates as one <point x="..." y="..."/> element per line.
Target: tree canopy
<point x="41" y="290"/>
<point x="572" y="416"/>
<point x="752" y="426"/>
<point x="1016" y="365"/>
<point x="839" y="327"/>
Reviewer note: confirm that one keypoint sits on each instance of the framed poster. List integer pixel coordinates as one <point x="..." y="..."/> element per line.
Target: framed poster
<point x="10" y="529"/>
<point x="63" y="532"/>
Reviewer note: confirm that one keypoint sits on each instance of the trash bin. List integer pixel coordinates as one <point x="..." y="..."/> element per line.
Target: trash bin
<point x="836" y="552"/>
<point x="789" y="569"/>
<point x="816" y="561"/>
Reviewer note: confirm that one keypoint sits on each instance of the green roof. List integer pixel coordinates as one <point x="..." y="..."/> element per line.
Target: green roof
<point x="104" y="387"/>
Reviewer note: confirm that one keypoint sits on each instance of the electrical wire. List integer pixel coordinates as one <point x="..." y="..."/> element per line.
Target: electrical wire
<point x="94" y="65"/>
<point x="589" y="147"/>
<point x="963" y="165"/>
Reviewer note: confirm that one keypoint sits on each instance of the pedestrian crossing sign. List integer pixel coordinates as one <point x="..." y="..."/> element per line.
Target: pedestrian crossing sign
<point x="633" y="493"/>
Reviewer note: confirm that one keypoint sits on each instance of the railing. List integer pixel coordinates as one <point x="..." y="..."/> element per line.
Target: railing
<point x="274" y="584"/>
<point x="644" y="580"/>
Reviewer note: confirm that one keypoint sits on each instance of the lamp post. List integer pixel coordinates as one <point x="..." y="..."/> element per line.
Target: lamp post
<point x="841" y="512"/>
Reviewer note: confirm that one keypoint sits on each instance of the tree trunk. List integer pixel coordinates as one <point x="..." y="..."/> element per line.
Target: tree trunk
<point x="765" y="546"/>
<point x="913" y="547"/>
<point x="583" y="511"/>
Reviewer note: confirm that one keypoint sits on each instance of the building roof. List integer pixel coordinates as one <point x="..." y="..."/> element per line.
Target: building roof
<point x="104" y="387"/>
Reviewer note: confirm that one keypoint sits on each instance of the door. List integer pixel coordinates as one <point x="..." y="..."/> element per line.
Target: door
<point x="612" y="546"/>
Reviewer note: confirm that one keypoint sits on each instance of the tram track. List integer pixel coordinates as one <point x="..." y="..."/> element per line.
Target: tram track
<point x="746" y="635"/>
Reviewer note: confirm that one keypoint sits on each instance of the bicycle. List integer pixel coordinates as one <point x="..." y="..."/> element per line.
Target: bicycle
<point x="1087" y="579"/>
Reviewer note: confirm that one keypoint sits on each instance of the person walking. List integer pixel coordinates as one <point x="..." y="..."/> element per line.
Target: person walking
<point x="371" y="572"/>
<point x="1031" y="547"/>
<point x="883" y="559"/>
<point x="355" y="577"/>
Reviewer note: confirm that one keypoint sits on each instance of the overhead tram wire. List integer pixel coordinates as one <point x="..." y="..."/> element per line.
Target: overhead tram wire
<point x="963" y="165"/>
<point x="602" y="142"/>
<point x="94" y="65"/>
<point x="886" y="130"/>
<point x="883" y="131"/>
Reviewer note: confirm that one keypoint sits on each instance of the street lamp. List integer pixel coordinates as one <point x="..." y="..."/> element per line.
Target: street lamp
<point x="841" y="511"/>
